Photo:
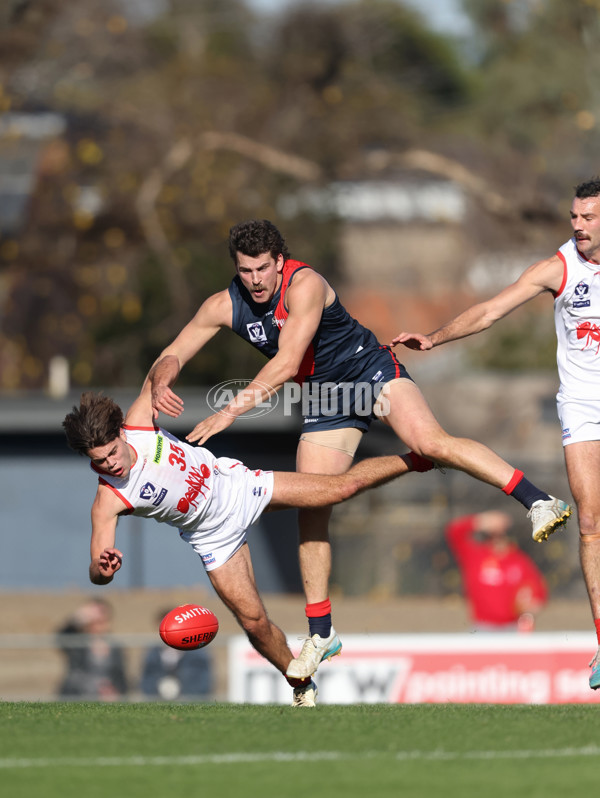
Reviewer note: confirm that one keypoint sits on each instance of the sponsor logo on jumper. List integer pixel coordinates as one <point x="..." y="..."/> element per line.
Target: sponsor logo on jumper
<point x="152" y="493"/>
<point x="197" y="485"/>
<point x="256" y="332"/>
<point x="159" y="448"/>
<point x="591" y="333"/>
<point x="277" y="322"/>
<point x="581" y="298"/>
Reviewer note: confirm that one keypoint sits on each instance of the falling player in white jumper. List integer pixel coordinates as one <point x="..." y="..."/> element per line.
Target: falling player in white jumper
<point x="144" y="470"/>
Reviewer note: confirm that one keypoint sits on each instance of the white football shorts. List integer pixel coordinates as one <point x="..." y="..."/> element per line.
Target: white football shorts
<point x="579" y="419"/>
<point x="243" y="495"/>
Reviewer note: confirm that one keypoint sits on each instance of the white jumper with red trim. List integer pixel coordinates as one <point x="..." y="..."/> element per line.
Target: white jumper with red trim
<point x="577" y="319"/>
<point x="173" y="482"/>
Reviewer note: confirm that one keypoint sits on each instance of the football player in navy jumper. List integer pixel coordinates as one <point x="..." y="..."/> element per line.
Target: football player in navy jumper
<point x="291" y="313"/>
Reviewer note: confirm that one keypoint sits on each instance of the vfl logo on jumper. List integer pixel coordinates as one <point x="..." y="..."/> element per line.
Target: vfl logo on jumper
<point x="152" y="494"/>
<point x="197" y="485"/>
<point x="256" y="333"/>
<point x="591" y="333"/>
<point x="582" y="295"/>
<point x="159" y="448"/>
<point x="263" y="398"/>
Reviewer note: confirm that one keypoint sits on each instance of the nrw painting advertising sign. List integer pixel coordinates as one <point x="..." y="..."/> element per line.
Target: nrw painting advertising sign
<point x="499" y="668"/>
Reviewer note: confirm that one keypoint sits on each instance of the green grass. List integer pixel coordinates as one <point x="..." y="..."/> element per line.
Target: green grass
<point x="85" y="750"/>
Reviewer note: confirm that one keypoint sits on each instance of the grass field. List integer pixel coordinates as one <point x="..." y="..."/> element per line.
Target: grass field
<point x="85" y="750"/>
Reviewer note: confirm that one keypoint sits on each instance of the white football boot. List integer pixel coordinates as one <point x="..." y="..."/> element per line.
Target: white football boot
<point x="547" y="516"/>
<point x="314" y="651"/>
<point x="306" y="695"/>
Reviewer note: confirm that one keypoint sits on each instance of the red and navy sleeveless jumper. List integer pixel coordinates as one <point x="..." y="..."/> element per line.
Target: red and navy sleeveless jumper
<point x="339" y="351"/>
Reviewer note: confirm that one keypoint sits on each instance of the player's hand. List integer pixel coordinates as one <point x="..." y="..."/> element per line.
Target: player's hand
<point x="413" y="341"/>
<point x="109" y="562"/>
<point x="166" y="401"/>
<point x="209" y="427"/>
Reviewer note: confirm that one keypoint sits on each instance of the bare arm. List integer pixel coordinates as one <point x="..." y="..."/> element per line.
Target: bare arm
<point x="545" y="275"/>
<point x="105" y="558"/>
<point x="306" y="299"/>
<point x="215" y="313"/>
<point x="141" y="413"/>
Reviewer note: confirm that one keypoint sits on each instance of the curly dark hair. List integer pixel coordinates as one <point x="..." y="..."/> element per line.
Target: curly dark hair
<point x="587" y="189"/>
<point x="96" y="422"/>
<point x="254" y="237"/>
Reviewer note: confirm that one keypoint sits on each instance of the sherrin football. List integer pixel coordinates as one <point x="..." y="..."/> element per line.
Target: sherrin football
<point x="189" y="626"/>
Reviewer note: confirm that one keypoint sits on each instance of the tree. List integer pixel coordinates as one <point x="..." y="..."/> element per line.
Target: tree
<point x="176" y="129"/>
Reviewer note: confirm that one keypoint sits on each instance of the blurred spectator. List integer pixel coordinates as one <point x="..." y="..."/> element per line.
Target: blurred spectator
<point x="95" y="666"/>
<point x="171" y="674"/>
<point x="502" y="584"/>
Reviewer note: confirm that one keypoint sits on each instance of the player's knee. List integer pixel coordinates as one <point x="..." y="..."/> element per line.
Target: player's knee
<point x="437" y="449"/>
<point x="589" y="525"/>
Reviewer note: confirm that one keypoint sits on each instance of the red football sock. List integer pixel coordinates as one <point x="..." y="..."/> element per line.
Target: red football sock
<point x="597" y="625"/>
<point x="514" y="481"/>
<point x="297" y="682"/>
<point x="521" y="489"/>
<point x="318" y="609"/>
<point x="419" y="463"/>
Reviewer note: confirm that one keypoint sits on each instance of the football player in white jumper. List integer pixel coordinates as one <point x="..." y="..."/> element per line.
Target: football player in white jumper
<point x="144" y="470"/>
<point x="572" y="277"/>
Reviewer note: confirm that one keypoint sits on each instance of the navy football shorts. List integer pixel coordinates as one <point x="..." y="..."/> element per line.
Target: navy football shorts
<point x="347" y="398"/>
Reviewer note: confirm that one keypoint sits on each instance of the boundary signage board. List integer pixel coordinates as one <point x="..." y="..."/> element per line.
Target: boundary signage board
<point x="498" y="668"/>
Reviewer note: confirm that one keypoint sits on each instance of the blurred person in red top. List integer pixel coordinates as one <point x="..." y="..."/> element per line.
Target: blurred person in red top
<point x="503" y="586"/>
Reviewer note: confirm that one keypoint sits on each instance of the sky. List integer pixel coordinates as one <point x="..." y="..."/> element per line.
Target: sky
<point x="444" y="15"/>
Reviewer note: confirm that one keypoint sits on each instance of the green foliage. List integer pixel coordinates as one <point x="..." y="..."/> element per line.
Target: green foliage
<point x="540" y="60"/>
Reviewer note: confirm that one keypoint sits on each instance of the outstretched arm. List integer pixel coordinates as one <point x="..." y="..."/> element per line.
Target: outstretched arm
<point x="141" y="413"/>
<point x="306" y="299"/>
<point x="214" y="313"/>
<point x="105" y="558"/>
<point x="545" y="275"/>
